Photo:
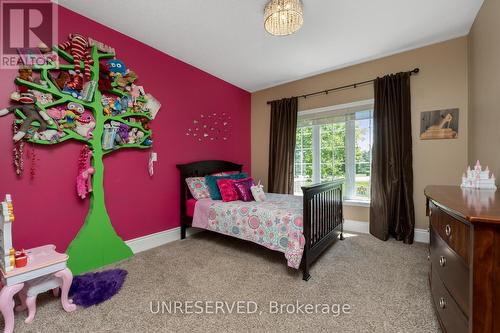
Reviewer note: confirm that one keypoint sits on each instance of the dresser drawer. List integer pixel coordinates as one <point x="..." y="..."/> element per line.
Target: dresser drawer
<point x="454" y="232"/>
<point x="451" y="317"/>
<point x="452" y="270"/>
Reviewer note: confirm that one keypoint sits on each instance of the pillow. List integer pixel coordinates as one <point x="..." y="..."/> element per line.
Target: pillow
<point x="225" y="173"/>
<point x="258" y="192"/>
<point x="198" y="187"/>
<point x="213" y="189"/>
<point x="243" y="188"/>
<point x="227" y="190"/>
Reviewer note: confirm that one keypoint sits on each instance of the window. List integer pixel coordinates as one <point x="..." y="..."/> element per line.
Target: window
<point x="336" y="142"/>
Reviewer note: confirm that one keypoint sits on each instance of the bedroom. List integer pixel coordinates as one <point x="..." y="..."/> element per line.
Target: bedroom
<point x="289" y="166"/>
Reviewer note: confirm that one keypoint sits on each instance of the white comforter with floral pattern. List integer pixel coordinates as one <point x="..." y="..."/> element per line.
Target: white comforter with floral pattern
<point x="275" y="223"/>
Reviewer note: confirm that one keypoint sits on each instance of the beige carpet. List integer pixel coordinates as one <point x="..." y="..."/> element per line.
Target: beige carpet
<point x="385" y="283"/>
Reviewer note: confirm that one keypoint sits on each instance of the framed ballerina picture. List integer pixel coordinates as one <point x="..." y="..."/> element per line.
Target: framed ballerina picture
<point x="439" y="124"/>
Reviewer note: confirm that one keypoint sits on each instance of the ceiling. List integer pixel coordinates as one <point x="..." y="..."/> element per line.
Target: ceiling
<point x="226" y="38"/>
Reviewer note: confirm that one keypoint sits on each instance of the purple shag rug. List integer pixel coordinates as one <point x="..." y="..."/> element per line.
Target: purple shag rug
<point x="94" y="288"/>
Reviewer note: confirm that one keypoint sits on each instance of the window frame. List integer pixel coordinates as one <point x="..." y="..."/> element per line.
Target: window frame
<point x="350" y="148"/>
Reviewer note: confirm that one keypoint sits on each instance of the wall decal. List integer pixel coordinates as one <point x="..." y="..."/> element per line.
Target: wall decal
<point x="439" y="124"/>
<point x="77" y="110"/>
<point x="211" y="127"/>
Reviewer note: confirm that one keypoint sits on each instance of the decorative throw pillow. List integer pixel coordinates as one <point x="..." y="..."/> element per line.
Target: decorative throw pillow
<point x="258" y="192"/>
<point x="227" y="190"/>
<point x="213" y="189"/>
<point x="198" y="187"/>
<point x="243" y="188"/>
<point x="225" y="173"/>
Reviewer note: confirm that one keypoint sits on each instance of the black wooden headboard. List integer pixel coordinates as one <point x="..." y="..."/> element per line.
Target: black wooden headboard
<point x="199" y="169"/>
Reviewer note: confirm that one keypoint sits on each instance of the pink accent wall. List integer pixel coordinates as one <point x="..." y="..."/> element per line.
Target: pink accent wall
<point x="48" y="210"/>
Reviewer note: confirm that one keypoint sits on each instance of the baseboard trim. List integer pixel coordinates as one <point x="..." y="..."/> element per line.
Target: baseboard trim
<point x="151" y="241"/>
<point x="421" y="235"/>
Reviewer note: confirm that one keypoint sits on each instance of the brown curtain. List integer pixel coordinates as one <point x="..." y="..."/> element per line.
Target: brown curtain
<point x="282" y="145"/>
<point x="391" y="211"/>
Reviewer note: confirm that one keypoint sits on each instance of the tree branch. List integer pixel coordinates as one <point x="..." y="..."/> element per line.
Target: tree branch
<point x="130" y="114"/>
<point x="130" y="145"/>
<point x="38" y="87"/>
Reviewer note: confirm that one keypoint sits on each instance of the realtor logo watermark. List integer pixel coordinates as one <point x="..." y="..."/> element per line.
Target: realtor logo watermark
<point x="28" y="29"/>
<point x="198" y="307"/>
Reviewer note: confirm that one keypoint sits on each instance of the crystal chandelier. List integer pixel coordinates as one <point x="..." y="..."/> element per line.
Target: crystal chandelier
<point x="283" y="17"/>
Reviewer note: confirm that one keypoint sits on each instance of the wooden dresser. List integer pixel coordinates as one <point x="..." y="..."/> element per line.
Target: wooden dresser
<point x="464" y="257"/>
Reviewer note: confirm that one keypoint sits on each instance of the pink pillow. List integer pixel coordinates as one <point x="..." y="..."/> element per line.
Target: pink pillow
<point x="198" y="187"/>
<point x="243" y="188"/>
<point x="227" y="190"/>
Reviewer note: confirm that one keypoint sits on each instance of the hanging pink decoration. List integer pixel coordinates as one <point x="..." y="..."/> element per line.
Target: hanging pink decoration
<point x="211" y="127"/>
<point x="85" y="172"/>
<point x="18" y="152"/>
<point x="31" y="153"/>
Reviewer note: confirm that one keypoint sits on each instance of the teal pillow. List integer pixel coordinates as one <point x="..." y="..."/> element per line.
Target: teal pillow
<point x="213" y="188"/>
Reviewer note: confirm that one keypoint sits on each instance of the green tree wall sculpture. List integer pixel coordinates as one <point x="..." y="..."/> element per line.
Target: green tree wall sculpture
<point x="97" y="243"/>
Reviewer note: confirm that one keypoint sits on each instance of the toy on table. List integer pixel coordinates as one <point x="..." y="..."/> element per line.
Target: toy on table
<point x="29" y="272"/>
<point x="478" y="178"/>
<point x="21" y="258"/>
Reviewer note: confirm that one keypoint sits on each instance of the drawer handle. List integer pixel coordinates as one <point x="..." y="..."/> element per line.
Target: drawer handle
<point x="442" y="261"/>
<point x="442" y="303"/>
<point x="447" y="230"/>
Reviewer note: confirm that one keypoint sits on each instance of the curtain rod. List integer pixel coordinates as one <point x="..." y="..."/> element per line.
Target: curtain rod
<point x="352" y="85"/>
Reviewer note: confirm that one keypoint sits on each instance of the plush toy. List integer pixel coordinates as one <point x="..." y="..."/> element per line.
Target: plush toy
<point x="123" y="131"/>
<point x="124" y="82"/>
<point x="43" y="98"/>
<point x="75" y="86"/>
<point x="145" y="123"/>
<point x="79" y="49"/>
<point x="70" y="119"/>
<point x="85" y="172"/>
<point x="48" y="135"/>
<point x="116" y="106"/>
<point x="117" y="67"/>
<point x="106" y="108"/>
<point x="28" y="108"/>
<point x="76" y="107"/>
<point x="85" y="124"/>
<point x="132" y="135"/>
<point x="62" y="79"/>
<point x="105" y="82"/>
<point x="25" y="73"/>
<point x="136" y="91"/>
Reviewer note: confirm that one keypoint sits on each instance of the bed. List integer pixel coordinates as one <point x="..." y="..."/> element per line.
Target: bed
<point x="300" y="227"/>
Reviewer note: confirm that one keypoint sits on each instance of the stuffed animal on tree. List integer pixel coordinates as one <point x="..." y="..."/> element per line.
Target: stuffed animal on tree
<point x="32" y="114"/>
<point x="79" y="49"/>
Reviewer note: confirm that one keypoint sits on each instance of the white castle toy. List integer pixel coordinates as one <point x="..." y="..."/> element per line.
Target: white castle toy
<point x="477" y="178"/>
